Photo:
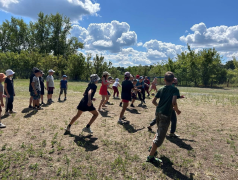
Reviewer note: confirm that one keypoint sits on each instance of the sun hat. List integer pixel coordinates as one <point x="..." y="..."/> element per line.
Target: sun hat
<point x="94" y="78"/>
<point x="51" y="70"/>
<point x="106" y="73"/>
<point x="2" y="76"/>
<point x="127" y="74"/>
<point x="64" y="76"/>
<point x="9" y="72"/>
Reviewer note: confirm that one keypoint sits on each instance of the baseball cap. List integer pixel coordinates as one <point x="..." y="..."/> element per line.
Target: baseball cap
<point x="141" y="77"/>
<point x="51" y="70"/>
<point x="37" y="70"/>
<point x="9" y="72"/>
<point x="127" y="74"/>
<point x="64" y="76"/>
<point x="137" y="76"/>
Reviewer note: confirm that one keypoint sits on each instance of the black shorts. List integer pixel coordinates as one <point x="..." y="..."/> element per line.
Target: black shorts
<point x="108" y="93"/>
<point x="51" y="90"/>
<point x="42" y="92"/>
<point x="84" y="107"/>
<point x="133" y="95"/>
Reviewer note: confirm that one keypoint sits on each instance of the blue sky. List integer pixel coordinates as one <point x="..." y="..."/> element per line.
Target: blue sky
<point x="130" y="32"/>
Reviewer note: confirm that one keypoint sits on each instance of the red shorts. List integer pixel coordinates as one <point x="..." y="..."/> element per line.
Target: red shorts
<point x="125" y="101"/>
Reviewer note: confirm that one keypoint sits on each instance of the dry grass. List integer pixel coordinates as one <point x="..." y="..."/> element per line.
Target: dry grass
<point x="33" y="146"/>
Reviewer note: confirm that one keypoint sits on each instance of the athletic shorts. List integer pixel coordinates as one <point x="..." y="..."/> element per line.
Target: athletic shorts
<point x="51" y="90"/>
<point x="84" y="107"/>
<point x="125" y="101"/>
<point x="108" y="93"/>
<point x="35" y="96"/>
<point x="133" y="95"/>
<point x="63" y="90"/>
<point x="42" y="92"/>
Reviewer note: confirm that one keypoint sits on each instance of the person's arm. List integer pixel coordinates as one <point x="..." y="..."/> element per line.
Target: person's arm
<point x="1" y="99"/>
<point x="89" y="97"/>
<point x="119" y="85"/>
<point x="5" y="88"/>
<point x="155" y="101"/>
<point x="33" y="87"/>
<point x="60" y="84"/>
<point x="47" y="83"/>
<point x="175" y="105"/>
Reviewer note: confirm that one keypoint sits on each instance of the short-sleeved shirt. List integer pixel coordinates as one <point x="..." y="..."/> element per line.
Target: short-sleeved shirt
<point x="90" y="86"/>
<point x="10" y="86"/>
<point x="63" y="83"/>
<point x="37" y="83"/>
<point x="166" y="94"/>
<point x="50" y="80"/>
<point x="147" y="81"/>
<point x="116" y="84"/>
<point x="126" y="90"/>
<point x="140" y="83"/>
<point x="31" y="78"/>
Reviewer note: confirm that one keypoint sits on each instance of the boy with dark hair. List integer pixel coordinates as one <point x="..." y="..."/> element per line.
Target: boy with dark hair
<point x="63" y="87"/>
<point x="42" y="86"/>
<point x="168" y="101"/>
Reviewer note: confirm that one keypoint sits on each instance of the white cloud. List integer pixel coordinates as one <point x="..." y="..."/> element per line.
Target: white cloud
<point x="140" y="44"/>
<point x="223" y="38"/>
<point x="75" y="9"/>
<point x="106" y="36"/>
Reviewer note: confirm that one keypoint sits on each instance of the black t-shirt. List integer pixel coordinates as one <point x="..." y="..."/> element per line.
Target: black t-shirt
<point x="90" y="86"/>
<point x="41" y="82"/>
<point x="31" y="78"/>
<point x="10" y="86"/>
<point x="126" y="90"/>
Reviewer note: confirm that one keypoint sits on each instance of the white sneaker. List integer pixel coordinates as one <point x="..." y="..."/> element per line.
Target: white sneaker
<point x="123" y="117"/>
<point x="88" y="130"/>
<point x="2" y="125"/>
<point x="6" y="114"/>
<point x="119" y="121"/>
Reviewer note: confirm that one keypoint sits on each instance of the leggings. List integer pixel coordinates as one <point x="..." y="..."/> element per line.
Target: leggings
<point x="9" y="103"/>
<point x="147" y="90"/>
<point x="115" y="91"/>
<point x="141" y="93"/>
<point x="173" y="122"/>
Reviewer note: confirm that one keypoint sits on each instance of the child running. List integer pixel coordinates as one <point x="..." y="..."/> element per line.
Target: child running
<point x="63" y="87"/>
<point x="87" y="105"/>
<point x="9" y="92"/>
<point x="108" y="87"/>
<point x="168" y="101"/>
<point x="147" y="85"/>
<point x="50" y="85"/>
<point x="115" y="88"/>
<point x="140" y="85"/>
<point x="153" y="87"/>
<point x="134" y="92"/>
<point x="103" y="90"/>
<point x="2" y="79"/>
<point x="127" y="86"/>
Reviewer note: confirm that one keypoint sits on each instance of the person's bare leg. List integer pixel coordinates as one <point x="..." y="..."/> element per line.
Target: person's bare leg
<point x="125" y="105"/>
<point x="42" y="98"/>
<point x="76" y="117"/>
<point x="100" y="105"/>
<point x="95" y="115"/>
<point x="31" y="100"/>
<point x="133" y="100"/>
<point x="153" y="149"/>
<point x="107" y="98"/>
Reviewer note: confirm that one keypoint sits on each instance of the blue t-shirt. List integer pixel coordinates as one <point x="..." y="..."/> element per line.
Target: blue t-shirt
<point x="63" y="83"/>
<point x="138" y="84"/>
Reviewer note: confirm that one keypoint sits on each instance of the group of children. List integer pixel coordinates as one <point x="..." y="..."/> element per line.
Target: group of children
<point x="165" y="109"/>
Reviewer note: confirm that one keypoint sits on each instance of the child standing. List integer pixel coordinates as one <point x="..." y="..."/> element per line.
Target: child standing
<point x="36" y="90"/>
<point x="42" y="86"/>
<point x="153" y="87"/>
<point x="30" y="87"/>
<point x="127" y="86"/>
<point x="63" y="87"/>
<point x="115" y="88"/>
<point x="87" y="105"/>
<point x="168" y="101"/>
<point x="50" y="85"/>
<point x="9" y="92"/>
<point x="2" y="78"/>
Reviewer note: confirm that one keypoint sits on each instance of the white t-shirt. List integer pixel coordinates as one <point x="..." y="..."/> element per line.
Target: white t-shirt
<point x="50" y="80"/>
<point x="116" y="84"/>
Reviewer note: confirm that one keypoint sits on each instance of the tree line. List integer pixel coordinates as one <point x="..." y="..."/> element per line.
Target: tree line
<point x="46" y="44"/>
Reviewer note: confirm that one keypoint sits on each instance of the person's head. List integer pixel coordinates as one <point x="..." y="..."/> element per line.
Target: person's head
<point x="117" y="79"/>
<point x="134" y="82"/>
<point x="146" y="77"/>
<point x="41" y="73"/>
<point x="137" y="76"/>
<point x="105" y="75"/>
<point x="51" y="72"/>
<point x="37" y="73"/>
<point x="127" y="75"/>
<point x="64" y="77"/>
<point x="175" y="82"/>
<point x="33" y="70"/>
<point x="94" y="78"/>
<point x="141" y="79"/>
<point x="9" y="73"/>
<point x="110" y="78"/>
<point x="2" y="77"/>
<point x="169" y="77"/>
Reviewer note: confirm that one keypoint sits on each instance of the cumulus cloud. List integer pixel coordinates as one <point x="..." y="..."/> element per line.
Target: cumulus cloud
<point x="140" y="44"/>
<point x="106" y="36"/>
<point x="223" y="38"/>
<point x="75" y="9"/>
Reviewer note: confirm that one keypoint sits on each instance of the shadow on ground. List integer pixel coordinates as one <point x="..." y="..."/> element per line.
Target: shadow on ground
<point x="104" y="113"/>
<point x="180" y="142"/>
<point x="130" y="128"/>
<point x="30" y="114"/>
<point x="133" y="111"/>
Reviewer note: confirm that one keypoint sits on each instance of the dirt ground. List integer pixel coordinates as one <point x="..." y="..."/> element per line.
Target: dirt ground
<point x="33" y="146"/>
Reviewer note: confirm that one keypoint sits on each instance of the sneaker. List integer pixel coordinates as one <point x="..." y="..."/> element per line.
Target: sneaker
<point x="88" y="130"/>
<point x="123" y="118"/>
<point x="42" y="103"/>
<point x="120" y="104"/>
<point x="144" y="102"/>
<point x="51" y="101"/>
<point x="141" y="102"/>
<point x="173" y="135"/>
<point x="154" y="160"/>
<point x="149" y="128"/>
<point x="6" y="114"/>
<point x="67" y="130"/>
<point x="12" y="112"/>
<point x="2" y="125"/>
<point x="30" y="106"/>
<point x="59" y="99"/>
<point x="120" y="121"/>
<point x="65" y="99"/>
<point x="156" y="152"/>
<point x="39" y="108"/>
<point x="132" y="105"/>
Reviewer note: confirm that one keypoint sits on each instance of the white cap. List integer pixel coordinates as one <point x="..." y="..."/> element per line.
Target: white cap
<point x="9" y="72"/>
<point x="51" y="70"/>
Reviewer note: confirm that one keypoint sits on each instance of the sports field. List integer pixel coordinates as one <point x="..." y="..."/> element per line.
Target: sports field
<point x="33" y="146"/>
